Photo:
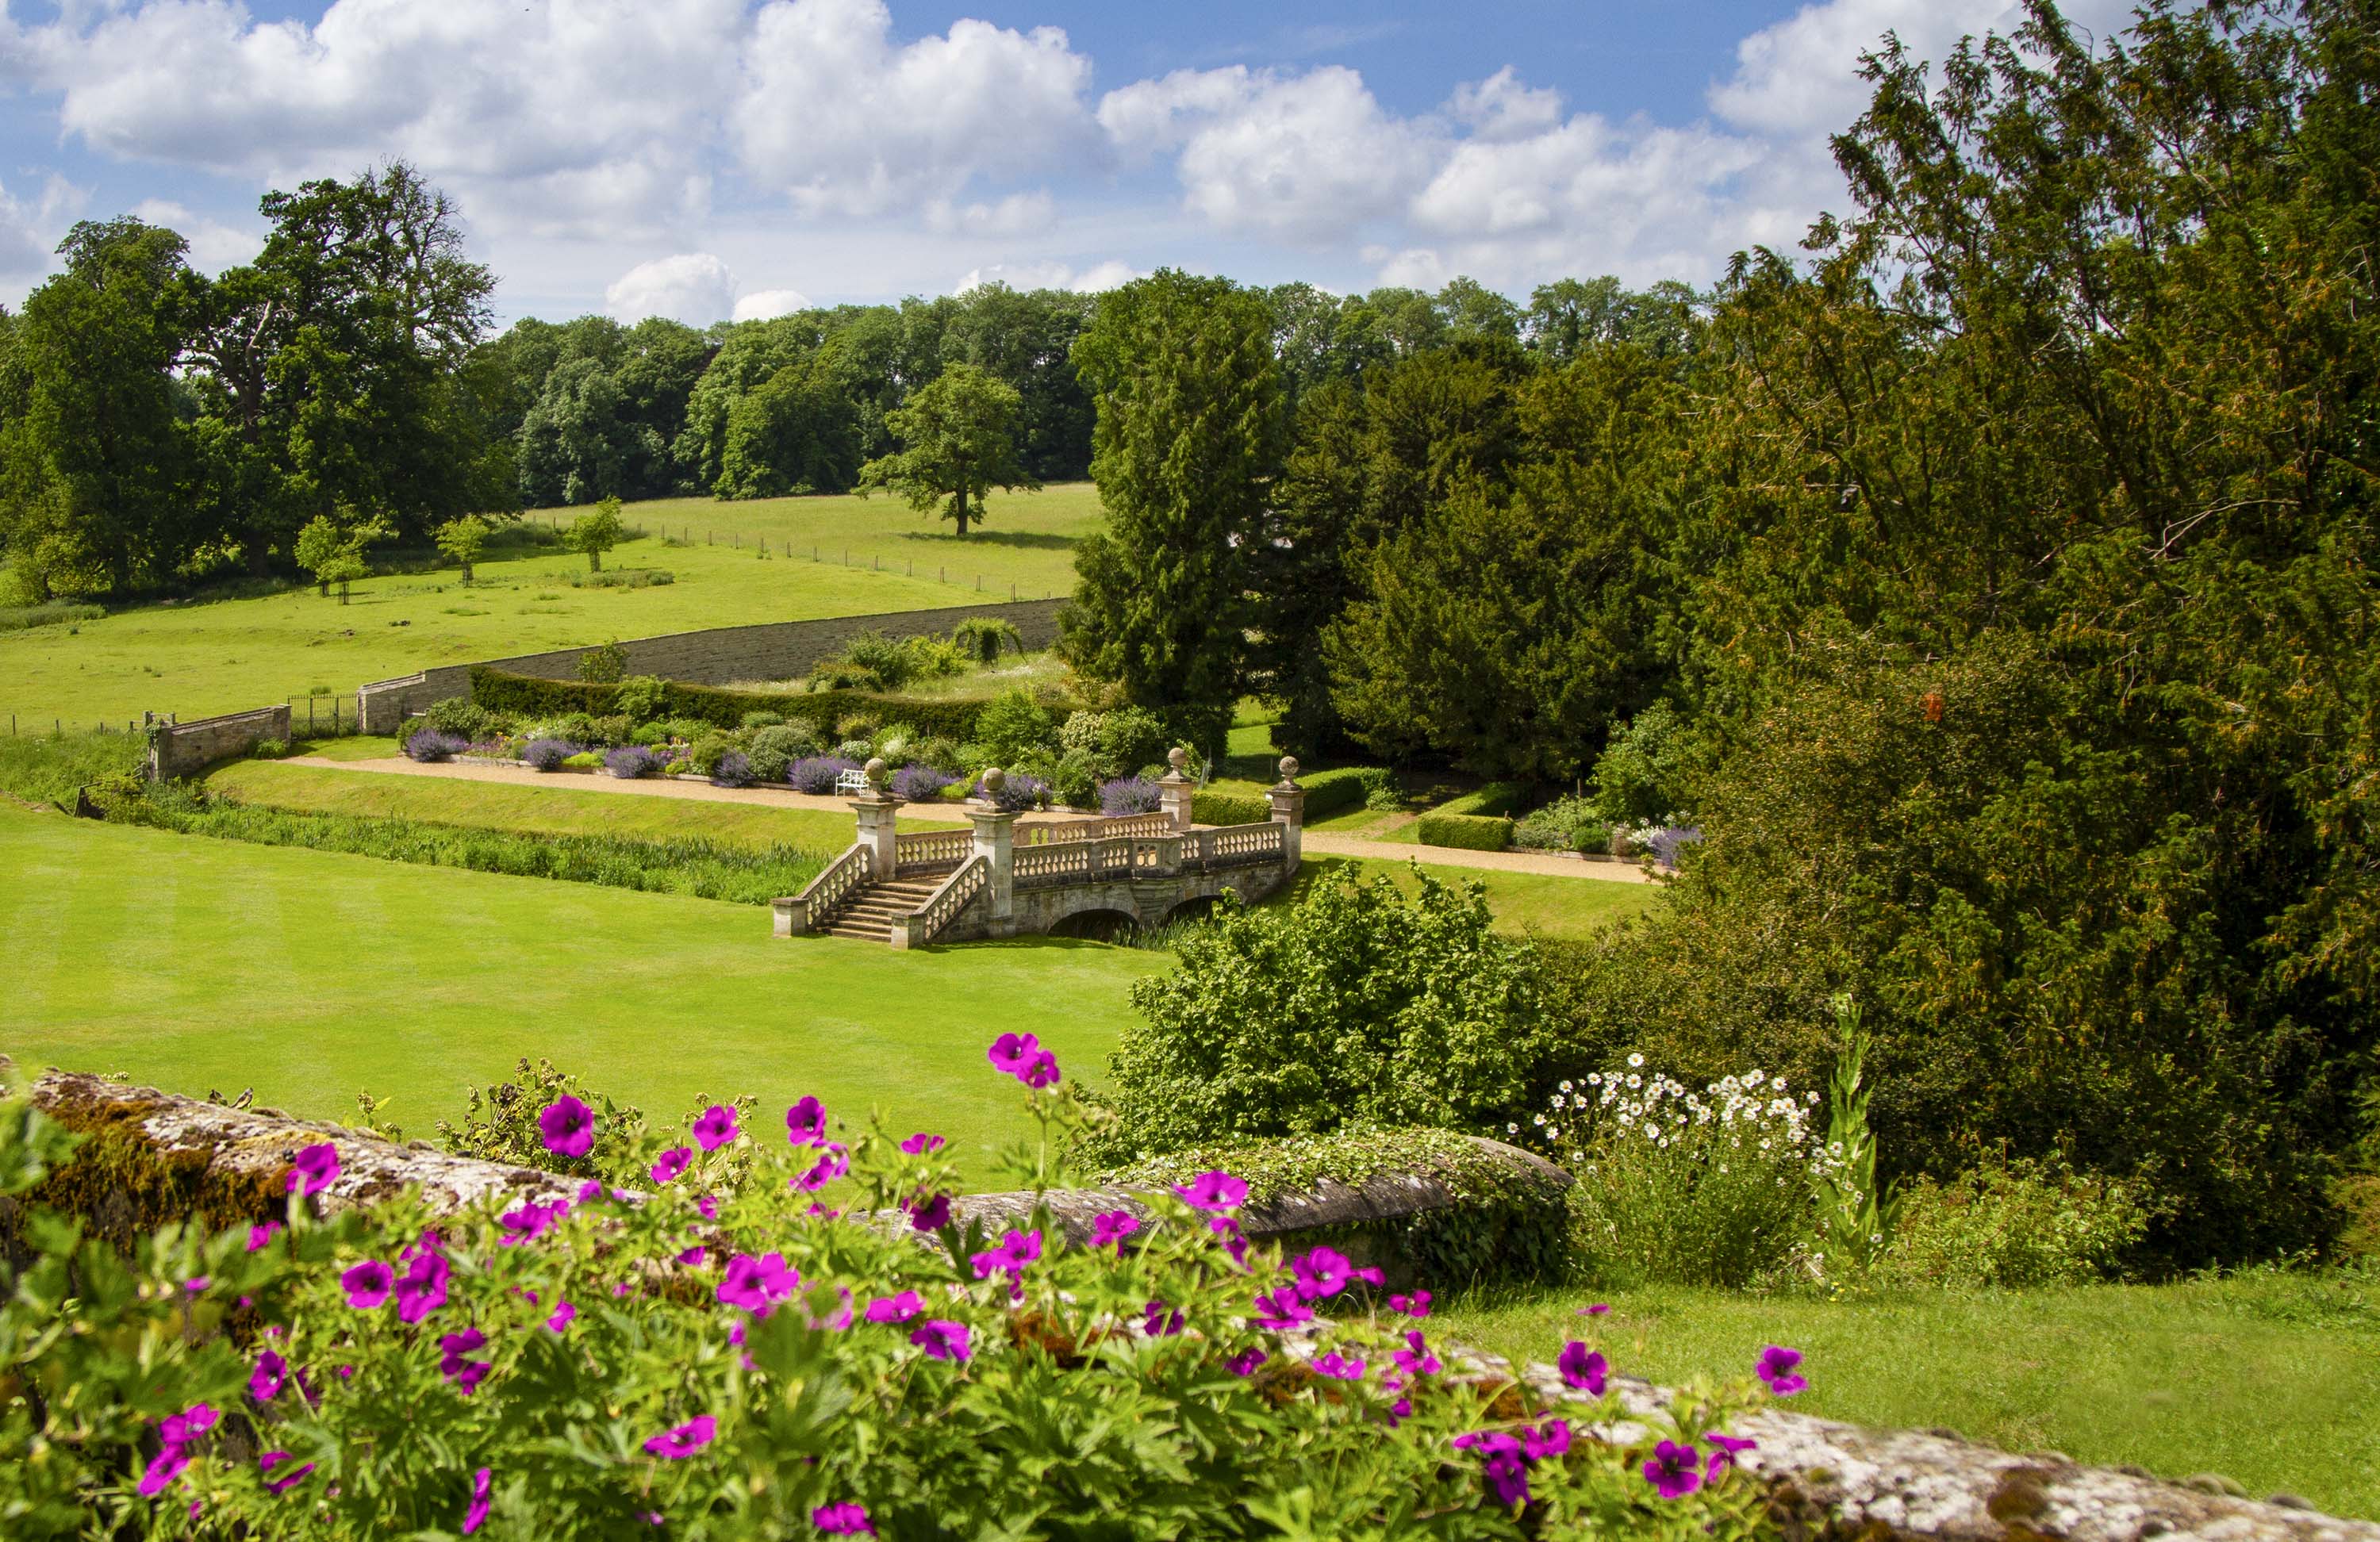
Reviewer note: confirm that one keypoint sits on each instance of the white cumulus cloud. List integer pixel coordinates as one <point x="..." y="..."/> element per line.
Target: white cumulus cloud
<point x="692" y="287"/>
<point x="762" y="305"/>
<point x="214" y="244"/>
<point x="1049" y="275"/>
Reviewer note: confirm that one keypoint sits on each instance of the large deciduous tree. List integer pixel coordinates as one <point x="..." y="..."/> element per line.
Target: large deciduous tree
<point x="1188" y="441"/>
<point x="960" y="442"/>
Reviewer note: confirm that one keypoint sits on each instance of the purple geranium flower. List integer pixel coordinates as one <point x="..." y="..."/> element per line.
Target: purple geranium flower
<point x="1598" y="1309"/>
<point x="941" y="1340"/>
<point x="568" y="1126"/>
<point x="1322" y="1272"/>
<point x="1156" y="1322"/>
<point x="1504" y="1465"/>
<point x="1214" y="1191"/>
<point x="455" y="1362"/>
<point x="1283" y="1309"/>
<point x="806" y="1122"/>
<point x="922" y="1145"/>
<point x="849" y="1519"/>
<point x="716" y="1127"/>
<point x="260" y="1237"/>
<point x="674" y="1162"/>
<point x="1235" y="1245"/>
<point x="264" y="1382"/>
<point x="1010" y="1053"/>
<point x="1725" y="1449"/>
<point x="1674" y="1470"/>
<point x="755" y="1284"/>
<point x="1247" y="1361"/>
<point x="1113" y="1226"/>
<point x="368" y="1285"/>
<point x="1777" y="1369"/>
<point x="1551" y="1439"/>
<point x="482" y="1484"/>
<point x="685" y="1439"/>
<point x="1414" y="1306"/>
<point x="529" y="1222"/>
<point x="315" y="1169"/>
<point x="287" y="1480"/>
<point x="1332" y="1364"/>
<point x="421" y="1289"/>
<point x="834" y="1160"/>
<point x="896" y="1308"/>
<point x="929" y="1213"/>
<point x="1582" y="1368"/>
<point x="1016" y="1250"/>
<point x="1415" y="1359"/>
<point x="563" y="1314"/>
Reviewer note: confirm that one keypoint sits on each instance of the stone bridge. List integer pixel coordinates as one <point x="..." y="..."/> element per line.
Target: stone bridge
<point x="1002" y="879"/>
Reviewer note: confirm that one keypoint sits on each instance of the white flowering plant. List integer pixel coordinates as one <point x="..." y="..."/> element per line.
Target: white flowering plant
<point x="1711" y="1186"/>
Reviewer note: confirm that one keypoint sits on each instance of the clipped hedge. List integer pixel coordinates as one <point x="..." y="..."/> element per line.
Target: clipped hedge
<point x="1207" y="807"/>
<point x="501" y="692"/>
<point x="1332" y="792"/>
<point x="1464" y="831"/>
<point x="1496" y="797"/>
<point x="1508" y="1225"/>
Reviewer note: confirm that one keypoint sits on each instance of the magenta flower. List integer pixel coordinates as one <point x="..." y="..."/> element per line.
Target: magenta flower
<point x="849" y="1519"/>
<point x="834" y="1161"/>
<point x="806" y="1122"/>
<point x="1598" y="1309"/>
<point x="1725" y="1449"/>
<point x="182" y="1428"/>
<point x="1415" y="1359"/>
<point x="929" y="1214"/>
<point x="1214" y="1191"/>
<point x="837" y="1320"/>
<point x="1551" y="1439"/>
<point x="1322" y="1272"/>
<point x="563" y="1314"/>
<point x="455" y="1362"/>
<point x="264" y="1382"/>
<point x="1235" y="1245"/>
<point x="716" y="1127"/>
<point x="1777" y="1369"/>
<point x="1582" y="1368"/>
<point x="1674" y="1470"/>
<point x="531" y="1220"/>
<point x="1331" y="1363"/>
<point x="1157" y="1323"/>
<point x="1113" y="1226"/>
<point x="421" y="1289"/>
<point x="1502" y="1464"/>
<point x="755" y="1284"/>
<point x="315" y="1169"/>
<point x="163" y="1469"/>
<point x="922" y="1145"/>
<point x="287" y="1480"/>
<point x="1013" y="1054"/>
<point x="674" y="1160"/>
<point x="896" y="1308"/>
<point x="692" y="1258"/>
<point x="941" y="1340"/>
<point x="1247" y="1361"/>
<point x="197" y="1284"/>
<point x="1283" y="1309"/>
<point x="260" y="1237"/>
<point x="1016" y="1250"/>
<point x="685" y="1439"/>
<point x="482" y="1483"/>
<point x="709" y="1206"/>
<point x="176" y="1433"/>
<point x="368" y="1285"/>
<point x="568" y="1126"/>
<point x="1414" y="1306"/>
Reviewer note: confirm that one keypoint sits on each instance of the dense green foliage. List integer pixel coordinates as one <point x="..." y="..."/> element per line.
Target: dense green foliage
<point x="959" y="440"/>
<point x="43" y="768"/>
<point x="1463" y="832"/>
<point x="531" y="697"/>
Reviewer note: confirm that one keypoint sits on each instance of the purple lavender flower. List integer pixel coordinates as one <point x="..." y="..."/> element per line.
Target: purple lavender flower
<point x="847" y="1519"/>
<point x="428" y="745"/>
<point x="1777" y="1369"/>
<point x="1128" y="795"/>
<point x="568" y="1126"/>
<point x="917" y="783"/>
<point x="314" y="1170"/>
<point x="547" y="755"/>
<point x="368" y="1285"/>
<point x="1674" y="1470"/>
<point x="716" y="1127"/>
<point x="941" y="1340"/>
<point x="1113" y="1226"/>
<point x="1666" y="842"/>
<point x="685" y="1439"/>
<point x="896" y="1308"/>
<point x="674" y="1162"/>
<point x="817" y="774"/>
<point x="734" y="770"/>
<point x="922" y="1145"/>
<point x="806" y="1122"/>
<point x="1582" y="1368"/>
<point x="631" y="761"/>
<point x="482" y="1484"/>
<point x="1213" y="1191"/>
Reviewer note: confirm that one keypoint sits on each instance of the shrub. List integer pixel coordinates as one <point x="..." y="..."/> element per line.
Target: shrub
<point x="460" y="716"/>
<point x="981" y="638"/>
<point x="733" y="770"/>
<point x="1013" y="725"/>
<point x="847" y="677"/>
<point x="1128" y="795"/>
<point x="775" y="749"/>
<point x="429" y="745"/>
<point x="858" y="751"/>
<point x="1464" y="831"/>
<point x="1354" y="1004"/>
<point x="1330" y="792"/>
<point x="760" y="720"/>
<point x="270" y="749"/>
<point x="1017" y="793"/>
<point x="816" y="773"/>
<point x="548" y="755"/>
<point x="501" y="1127"/>
<point x="529" y="696"/>
<point x="1381" y="789"/>
<point x="2014" y="1226"/>
<point x="586" y="759"/>
<point x="652" y="735"/>
<point x="1710" y="1188"/>
<point x="892" y="743"/>
<point x="1565" y="824"/>
<point x="640" y="697"/>
<point x="630" y="762"/>
<point x="1642" y="775"/>
<point x="704" y="755"/>
<point x="917" y="782"/>
<point x="941" y="754"/>
<point x="1074" y="783"/>
<point x="605" y="665"/>
<point x="1129" y="738"/>
<point x="1207" y="807"/>
<point x="47" y="769"/>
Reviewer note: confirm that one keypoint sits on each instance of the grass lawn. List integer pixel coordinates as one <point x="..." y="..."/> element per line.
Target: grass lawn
<point x="229" y="655"/>
<point x="2270" y="1378"/>
<point x="195" y="963"/>
<point x="1569" y="907"/>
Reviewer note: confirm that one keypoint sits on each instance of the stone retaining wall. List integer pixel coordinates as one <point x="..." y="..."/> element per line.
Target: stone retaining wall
<point x="179" y="748"/>
<point x="771" y="650"/>
<point x="1829" y="1479"/>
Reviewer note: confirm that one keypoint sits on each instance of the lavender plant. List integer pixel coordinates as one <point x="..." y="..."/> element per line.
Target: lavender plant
<point x="430" y="746"/>
<point x="918" y="782"/>
<point x="630" y="762"/>
<point x="707" y="1359"/>
<point x="547" y="755"/>
<point x="1128" y="795"/>
<point x="816" y="773"/>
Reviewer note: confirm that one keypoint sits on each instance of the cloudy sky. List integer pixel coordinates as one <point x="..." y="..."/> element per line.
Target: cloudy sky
<point x="707" y="158"/>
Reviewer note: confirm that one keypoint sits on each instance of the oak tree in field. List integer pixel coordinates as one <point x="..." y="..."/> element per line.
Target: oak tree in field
<point x="962" y="438"/>
<point x="332" y="550"/>
<point x="596" y="532"/>
<point x="462" y="539"/>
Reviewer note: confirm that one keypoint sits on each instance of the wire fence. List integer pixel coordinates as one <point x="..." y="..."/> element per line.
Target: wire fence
<point x="57" y="727"/>
<point x="818" y="552"/>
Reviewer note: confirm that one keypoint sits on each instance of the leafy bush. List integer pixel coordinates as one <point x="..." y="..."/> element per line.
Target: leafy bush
<point x="586" y="759"/>
<point x="981" y="638"/>
<point x="462" y="717"/>
<point x="760" y="720"/>
<point x="1073" y="781"/>
<point x="580" y="1373"/>
<point x="1565" y="824"/>
<point x="1463" y="832"/>
<point x="630" y="762"/>
<point x="1710" y="1188"/>
<point x="428" y="745"/>
<point x="860" y="751"/>
<point x="548" y="755"/>
<point x="775" y="748"/>
<point x="1381" y="789"/>
<point x="891" y="663"/>
<point x="1352" y="1005"/>
<point x="1013" y="725"/>
<point x="816" y="774"/>
<point x="270" y="749"/>
<point x="529" y="696"/>
<point x="43" y="768"/>
<point x="703" y="756"/>
<point x="1128" y="795"/>
<point x="941" y="754"/>
<point x="2014" y="1226"/>
<point x="1666" y="844"/>
<point x="501" y="1127"/>
<point x="49" y="613"/>
<point x="733" y="770"/>
<point x="1642" y="776"/>
<point x="917" y="782"/>
<point x="1330" y="792"/>
<point x="605" y="665"/>
<point x="640" y="697"/>
<point x="1210" y="808"/>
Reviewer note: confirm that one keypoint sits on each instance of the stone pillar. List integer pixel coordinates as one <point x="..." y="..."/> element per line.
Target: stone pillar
<point x="1175" y="791"/>
<point x="995" y="839"/>
<point x="876" y="810"/>
<point x="1289" y="810"/>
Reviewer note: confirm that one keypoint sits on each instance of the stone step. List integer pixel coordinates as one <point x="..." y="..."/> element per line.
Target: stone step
<point x="860" y="931"/>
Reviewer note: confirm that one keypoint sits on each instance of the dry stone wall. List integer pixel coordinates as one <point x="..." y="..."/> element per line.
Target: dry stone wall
<point x="1828" y="1479"/>
<point x="179" y="748"/>
<point x="771" y="650"/>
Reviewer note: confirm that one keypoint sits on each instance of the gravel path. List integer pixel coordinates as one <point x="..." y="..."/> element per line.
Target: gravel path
<point x="1315" y="842"/>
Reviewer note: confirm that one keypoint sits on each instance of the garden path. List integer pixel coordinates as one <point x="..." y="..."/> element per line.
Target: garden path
<point x="1316" y="843"/>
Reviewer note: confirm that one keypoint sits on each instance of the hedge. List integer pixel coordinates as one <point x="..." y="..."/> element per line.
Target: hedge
<point x="1466" y="831"/>
<point x="501" y="692"/>
<point x="1326" y="793"/>
<point x="1506" y="1224"/>
<point x="1207" y="807"/>
<point x="1496" y="798"/>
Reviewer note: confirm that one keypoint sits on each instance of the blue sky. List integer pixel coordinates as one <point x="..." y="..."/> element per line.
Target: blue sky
<point x="706" y="158"/>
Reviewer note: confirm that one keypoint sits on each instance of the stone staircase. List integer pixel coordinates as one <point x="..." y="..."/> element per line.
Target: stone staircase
<point x="869" y="913"/>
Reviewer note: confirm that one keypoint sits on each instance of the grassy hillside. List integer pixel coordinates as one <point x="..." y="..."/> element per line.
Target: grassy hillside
<point x="229" y="655"/>
<point x="195" y="963"/>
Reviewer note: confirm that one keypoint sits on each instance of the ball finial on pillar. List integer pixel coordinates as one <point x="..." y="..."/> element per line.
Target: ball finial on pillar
<point x="1289" y="768"/>
<point x="874" y="771"/>
<point x="994" y="778"/>
<point x="1179" y="759"/>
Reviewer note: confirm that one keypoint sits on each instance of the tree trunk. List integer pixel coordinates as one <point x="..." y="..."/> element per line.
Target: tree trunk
<point x="343" y="591"/>
<point x="963" y="509"/>
<point x="467" y="574"/>
<point x="323" y="587"/>
<point x="594" y="560"/>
